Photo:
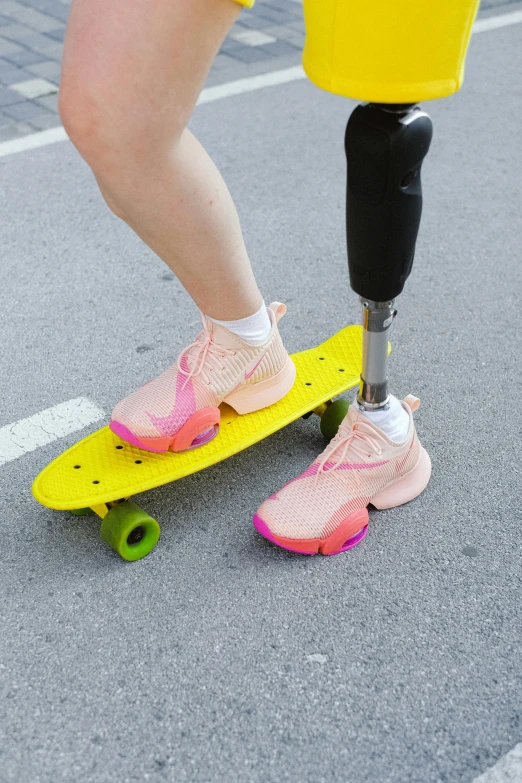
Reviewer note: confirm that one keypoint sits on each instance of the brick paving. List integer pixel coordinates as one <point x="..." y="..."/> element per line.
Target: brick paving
<point x="267" y="37"/>
<point x="31" y="46"/>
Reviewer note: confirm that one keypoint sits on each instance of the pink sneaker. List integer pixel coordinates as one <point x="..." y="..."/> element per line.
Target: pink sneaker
<point x="325" y="508"/>
<point x="179" y="409"/>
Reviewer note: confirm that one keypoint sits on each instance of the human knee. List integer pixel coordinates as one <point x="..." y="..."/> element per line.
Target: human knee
<point x="112" y="128"/>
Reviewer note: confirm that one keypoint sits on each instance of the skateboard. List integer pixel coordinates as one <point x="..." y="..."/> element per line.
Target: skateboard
<point x="101" y="472"/>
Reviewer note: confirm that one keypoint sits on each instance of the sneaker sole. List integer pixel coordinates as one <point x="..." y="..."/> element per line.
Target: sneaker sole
<point x="348" y="534"/>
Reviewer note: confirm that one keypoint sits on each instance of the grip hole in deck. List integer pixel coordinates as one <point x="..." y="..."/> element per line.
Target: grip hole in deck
<point x="95" y="482"/>
<point x="119" y="447"/>
<point x="137" y="461"/>
<point x="77" y="467"/>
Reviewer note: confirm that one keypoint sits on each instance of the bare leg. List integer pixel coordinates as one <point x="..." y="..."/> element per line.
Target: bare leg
<point x="132" y="73"/>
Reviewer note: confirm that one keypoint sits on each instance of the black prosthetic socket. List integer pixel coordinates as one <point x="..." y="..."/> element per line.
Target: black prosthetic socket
<point x="385" y="146"/>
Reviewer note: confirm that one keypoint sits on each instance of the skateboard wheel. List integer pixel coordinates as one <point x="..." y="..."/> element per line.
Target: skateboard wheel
<point x="81" y="512"/>
<point x="129" y="531"/>
<point x="332" y="418"/>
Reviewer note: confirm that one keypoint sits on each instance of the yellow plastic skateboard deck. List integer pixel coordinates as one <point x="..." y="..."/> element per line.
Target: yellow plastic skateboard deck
<point x="102" y="470"/>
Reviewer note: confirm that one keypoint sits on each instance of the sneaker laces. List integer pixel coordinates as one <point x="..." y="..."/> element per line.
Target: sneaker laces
<point x="207" y="356"/>
<point x="358" y="439"/>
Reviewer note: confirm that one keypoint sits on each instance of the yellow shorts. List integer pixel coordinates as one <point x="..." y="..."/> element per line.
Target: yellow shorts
<point x="389" y="51"/>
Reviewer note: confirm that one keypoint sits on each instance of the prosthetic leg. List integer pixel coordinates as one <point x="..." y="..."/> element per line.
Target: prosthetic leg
<point x="391" y="55"/>
<point x="385" y="146"/>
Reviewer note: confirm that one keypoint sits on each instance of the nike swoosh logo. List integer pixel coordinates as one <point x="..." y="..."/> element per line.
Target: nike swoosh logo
<point x="252" y="371"/>
<point x="184" y="407"/>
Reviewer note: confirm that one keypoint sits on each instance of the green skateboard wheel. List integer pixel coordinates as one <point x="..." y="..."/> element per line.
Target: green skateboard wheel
<point x="332" y="418"/>
<point x="81" y="512"/>
<point x="129" y="531"/>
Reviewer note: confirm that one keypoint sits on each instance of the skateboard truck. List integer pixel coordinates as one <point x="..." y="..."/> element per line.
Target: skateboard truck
<point x="385" y="145"/>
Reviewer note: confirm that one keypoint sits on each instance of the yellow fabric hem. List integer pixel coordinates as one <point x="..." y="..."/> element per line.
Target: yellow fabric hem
<point x="383" y="92"/>
<point x="246" y="3"/>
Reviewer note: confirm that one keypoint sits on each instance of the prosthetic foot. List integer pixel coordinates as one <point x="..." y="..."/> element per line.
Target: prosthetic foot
<point x="325" y="508"/>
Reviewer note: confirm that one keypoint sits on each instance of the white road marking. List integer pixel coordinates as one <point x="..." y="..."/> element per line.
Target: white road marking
<point x="34" y="140"/>
<point x="253" y="38"/>
<point x="251" y="83"/>
<point x="494" y="22"/>
<point x="237" y="87"/>
<point x="508" y="769"/>
<point x="43" y="428"/>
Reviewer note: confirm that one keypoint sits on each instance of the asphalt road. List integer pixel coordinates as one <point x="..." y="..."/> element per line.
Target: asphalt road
<point x="219" y="657"/>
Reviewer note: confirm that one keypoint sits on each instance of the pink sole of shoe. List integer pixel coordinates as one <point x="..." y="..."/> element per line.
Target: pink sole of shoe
<point x="200" y="429"/>
<point x="350" y="532"/>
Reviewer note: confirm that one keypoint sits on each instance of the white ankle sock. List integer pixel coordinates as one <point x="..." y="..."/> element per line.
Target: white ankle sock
<point x="254" y="329"/>
<point x="394" y="421"/>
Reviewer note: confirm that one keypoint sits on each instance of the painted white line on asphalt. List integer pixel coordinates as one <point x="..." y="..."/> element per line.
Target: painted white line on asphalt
<point x="43" y="428"/>
<point x="494" y="22"/>
<point x="237" y="87"/>
<point x="508" y="769"/>
<point x="41" y="139"/>
<point x="251" y="83"/>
